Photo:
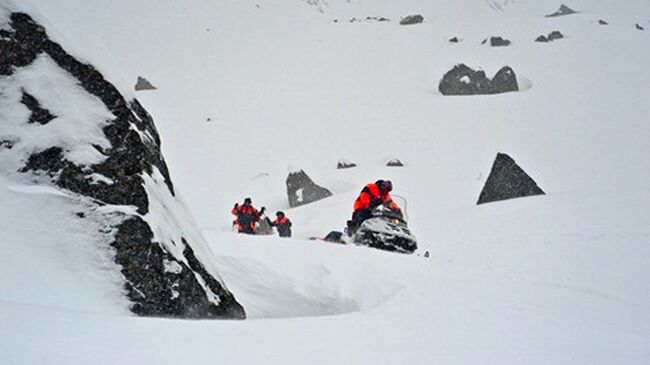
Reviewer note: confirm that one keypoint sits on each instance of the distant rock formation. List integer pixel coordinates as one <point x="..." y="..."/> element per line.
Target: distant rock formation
<point x="507" y="181"/>
<point x="462" y="80"/>
<point x="302" y="190"/>
<point x="454" y="40"/>
<point x="412" y="19"/>
<point x="394" y="163"/>
<point x="602" y="22"/>
<point x="554" y="35"/>
<point x="497" y="42"/>
<point x="639" y="27"/>
<point x="344" y="164"/>
<point x="563" y="10"/>
<point x="107" y="153"/>
<point x="143" y="84"/>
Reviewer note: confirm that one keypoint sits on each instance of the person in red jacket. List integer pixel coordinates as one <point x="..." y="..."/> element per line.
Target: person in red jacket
<point x="282" y="224"/>
<point x="372" y="196"/>
<point x="247" y="216"/>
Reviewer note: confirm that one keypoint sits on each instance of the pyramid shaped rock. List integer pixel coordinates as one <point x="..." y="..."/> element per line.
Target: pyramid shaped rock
<point x="143" y="84"/>
<point x="563" y="10"/>
<point x="302" y="190"/>
<point x="507" y="181"/>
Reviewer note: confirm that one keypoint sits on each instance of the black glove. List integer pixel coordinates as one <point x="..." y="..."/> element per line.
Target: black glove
<point x="262" y="210"/>
<point x="236" y="205"/>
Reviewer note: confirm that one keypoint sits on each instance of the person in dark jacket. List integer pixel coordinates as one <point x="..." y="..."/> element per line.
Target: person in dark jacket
<point x="282" y="224"/>
<point x="247" y="216"/>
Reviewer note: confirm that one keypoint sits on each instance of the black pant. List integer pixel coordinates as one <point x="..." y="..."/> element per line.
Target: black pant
<point x="358" y="216"/>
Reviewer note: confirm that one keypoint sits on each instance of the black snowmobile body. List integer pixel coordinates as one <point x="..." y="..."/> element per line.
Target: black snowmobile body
<point x="386" y="230"/>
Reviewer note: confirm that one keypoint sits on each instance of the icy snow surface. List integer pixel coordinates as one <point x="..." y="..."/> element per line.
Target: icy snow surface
<point x="555" y="279"/>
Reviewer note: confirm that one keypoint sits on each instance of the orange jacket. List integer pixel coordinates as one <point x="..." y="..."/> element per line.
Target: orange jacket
<point x="369" y="193"/>
<point x="246" y="210"/>
<point x="281" y="221"/>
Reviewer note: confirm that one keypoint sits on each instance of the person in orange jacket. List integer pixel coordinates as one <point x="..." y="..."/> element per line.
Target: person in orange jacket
<point x="247" y="216"/>
<point x="372" y="196"/>
<point x="282" y="224"/>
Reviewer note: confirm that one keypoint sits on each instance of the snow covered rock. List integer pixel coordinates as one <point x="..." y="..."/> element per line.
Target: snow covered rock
<point x="497" y="42"/>
<point x="394" y="162"/>
<point x="71" y="128"/>
<point x="563" y="10"/>
<point x="412" y="19"/>
<point x="554" y="35"/>
<point x="345" y="164"/>
<point x="602" y="22"/>
<point x="462" y="80"/>
<point x="143" y="84"/>
<point x="507" y="181"/>
<point x="302" y="190"/>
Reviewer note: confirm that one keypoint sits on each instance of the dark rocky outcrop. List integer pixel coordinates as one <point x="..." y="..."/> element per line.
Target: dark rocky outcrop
<point x="507" y="181"/>
<point x="412" y="19"/>
<point x="394" y="163"/>
<point x="158" y="281"/>
<point x="454" y="40"/>
<point x="497" y="42"/>
<point x="343" y="164"/>
<point x="639" y="27"/>
<point x="39" y="115"/>
<point x="462" y="80"/>
<point x="143" y="84"/>
<point x="554" y="35"/>
<point x="563" y="10"/>
<point x="602" y="22"/>
<point x="302" y="190"/>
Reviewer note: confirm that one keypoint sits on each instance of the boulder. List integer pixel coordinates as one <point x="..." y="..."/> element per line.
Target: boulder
<point x="168" y="275"/>
<point x="302" y="190"/>
<point x="541" y="38"/>
<point x="602" y="22"/>
<point x="639" y="27"/>
<point x="462" y="80"/>
<point x="499" y="42"/>
<point x="507" y="181"/>
<point x="412" y="19"/>
<point x="563" y="10"/>
<point x="143" y="84"/>
<point x="394" y="163"/>
<point x="454" y="40"/>
<point x="344" y="164"/>
<point x="554" y="35"/>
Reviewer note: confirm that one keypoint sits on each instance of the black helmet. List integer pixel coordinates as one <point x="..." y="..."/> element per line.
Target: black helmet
<point x="279" y="213"/>
<point x="248" y="201"/>
<point x="385" y="186"/>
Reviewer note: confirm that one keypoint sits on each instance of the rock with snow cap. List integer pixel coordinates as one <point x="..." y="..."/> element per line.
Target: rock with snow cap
<point x="302" y="190"/>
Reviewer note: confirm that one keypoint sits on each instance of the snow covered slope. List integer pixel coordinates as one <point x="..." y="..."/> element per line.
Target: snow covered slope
<point x="248" y="88"/>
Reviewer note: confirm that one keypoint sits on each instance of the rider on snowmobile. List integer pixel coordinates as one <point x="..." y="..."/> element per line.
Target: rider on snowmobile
<point x="372" y="196"/>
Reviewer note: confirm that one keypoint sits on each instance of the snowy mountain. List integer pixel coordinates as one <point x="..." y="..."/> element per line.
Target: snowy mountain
<point x="249" y="91"/>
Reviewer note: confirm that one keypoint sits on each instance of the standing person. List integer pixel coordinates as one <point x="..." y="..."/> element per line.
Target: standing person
<point x="372" y="196"/>
<point x="247" y="216"/>
<point x="282" y="224"/>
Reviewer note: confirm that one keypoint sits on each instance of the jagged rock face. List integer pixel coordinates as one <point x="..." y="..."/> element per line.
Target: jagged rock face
<point x="555" y="35"/>
<point x="462" y="80"/>
<point x="563" y="10"/>
<point x="412" y="19"/>
<point x="117" y="164"/>
<point x="499" y="42"/>
<point x="143" y="84"/>
<point x="541" y="38"/>
<point x="302" y="190"/>
<point x="507" y="181"/>
<point x="454" y="40"/>
<point x="394" y="163"/>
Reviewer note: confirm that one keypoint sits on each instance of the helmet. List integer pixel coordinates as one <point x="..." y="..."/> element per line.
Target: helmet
<point x="279" y="214"/>
<point x="248" y="201"/>
<point x="385" y="186"/>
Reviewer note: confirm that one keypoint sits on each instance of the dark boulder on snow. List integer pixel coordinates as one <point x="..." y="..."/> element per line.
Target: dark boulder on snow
<point x="454" y="40"/>
<point x="462" y="80"/>
<point x="412" y="19"/>
<point x="507" y="181"/>
<point x="143" y="84"/>
<point x="394" y="162"/>
<point x="542" y="39"/>
<point x="602" y="22"/>
<point x="302" y="190"/>
<point x="344" y="164"/>
<point x="116" y="171"/>
<point x="563" y="10"/>
<point x="554" y="35"/>
<point x="639" y="27"/>
<point x="498" y="42"/>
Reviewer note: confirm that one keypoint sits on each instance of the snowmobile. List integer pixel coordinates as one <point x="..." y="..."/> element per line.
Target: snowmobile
<point x="386" y="230"/>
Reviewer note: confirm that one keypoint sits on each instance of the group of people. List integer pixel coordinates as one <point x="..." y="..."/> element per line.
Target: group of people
<point x="248" y="217"/>
<point x="371" y="196"/>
